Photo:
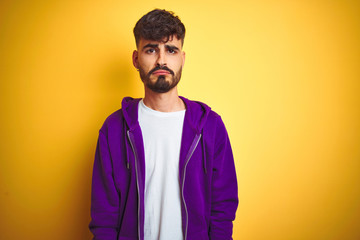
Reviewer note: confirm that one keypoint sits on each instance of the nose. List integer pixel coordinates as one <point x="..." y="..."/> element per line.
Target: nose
<point x="161" y="60"/>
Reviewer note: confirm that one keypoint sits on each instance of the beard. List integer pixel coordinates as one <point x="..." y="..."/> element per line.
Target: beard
<point x="162" y="84"/>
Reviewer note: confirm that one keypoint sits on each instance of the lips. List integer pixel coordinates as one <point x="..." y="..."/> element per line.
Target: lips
<point x="161" y="72"/>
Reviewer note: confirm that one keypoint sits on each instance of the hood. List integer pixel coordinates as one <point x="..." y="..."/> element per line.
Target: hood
<point x="196" y="113"/>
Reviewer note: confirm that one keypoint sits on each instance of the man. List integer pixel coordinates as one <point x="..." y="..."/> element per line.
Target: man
<point x="164" y="168"/>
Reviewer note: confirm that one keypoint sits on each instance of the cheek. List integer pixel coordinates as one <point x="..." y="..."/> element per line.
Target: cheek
<point x="145" y="62"/>
<point x="176" y="63"/>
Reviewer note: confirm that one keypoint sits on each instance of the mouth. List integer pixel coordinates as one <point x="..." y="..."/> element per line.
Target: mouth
<point x="161" y="72"/>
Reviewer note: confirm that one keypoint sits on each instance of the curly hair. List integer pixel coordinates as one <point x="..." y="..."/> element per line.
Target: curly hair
<point x="159" y="25"/>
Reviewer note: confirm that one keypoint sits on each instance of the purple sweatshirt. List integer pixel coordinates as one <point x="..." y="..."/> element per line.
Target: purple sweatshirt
<point x="207" y="176"/>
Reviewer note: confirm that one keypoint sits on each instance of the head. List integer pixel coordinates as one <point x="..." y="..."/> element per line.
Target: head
<point x="159" y="58"/>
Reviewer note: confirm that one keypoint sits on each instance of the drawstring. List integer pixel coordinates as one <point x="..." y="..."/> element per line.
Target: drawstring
<point x="203" y="151"/>
<point x="126" y="146"/>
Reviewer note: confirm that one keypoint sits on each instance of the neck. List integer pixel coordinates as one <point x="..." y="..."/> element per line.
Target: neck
<point x="163" y="102"/>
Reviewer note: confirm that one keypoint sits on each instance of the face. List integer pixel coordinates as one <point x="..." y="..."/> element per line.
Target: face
<point x="160" y="64"/>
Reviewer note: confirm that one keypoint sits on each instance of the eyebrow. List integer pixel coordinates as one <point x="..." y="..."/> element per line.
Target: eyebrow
<point x="167" y="46"/>
<point x="171" y="47"/>
<point x="151" y="45"/>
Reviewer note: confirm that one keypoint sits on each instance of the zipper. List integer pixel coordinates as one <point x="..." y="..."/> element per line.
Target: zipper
<point x="191" y="151"/>
<point x="137" y="179"/>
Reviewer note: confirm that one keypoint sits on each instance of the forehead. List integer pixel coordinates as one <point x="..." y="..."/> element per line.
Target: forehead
<point x="173" y="40"/>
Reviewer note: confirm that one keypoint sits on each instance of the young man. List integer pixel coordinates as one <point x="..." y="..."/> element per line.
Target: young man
<point x="164" y="168"/>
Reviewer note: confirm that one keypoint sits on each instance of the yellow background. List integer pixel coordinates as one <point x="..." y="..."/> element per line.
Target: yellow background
<point x="284" y="75"/>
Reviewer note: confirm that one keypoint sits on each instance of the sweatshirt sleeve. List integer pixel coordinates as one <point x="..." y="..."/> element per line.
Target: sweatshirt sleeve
<point x="104" y="195"/>
<point x="224" y="194"/>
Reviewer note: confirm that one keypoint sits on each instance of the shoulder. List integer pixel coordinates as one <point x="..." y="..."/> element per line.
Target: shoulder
<point x="127" y="113"/>
<point x="112" y="122"/>
<point x="202" y="110"/>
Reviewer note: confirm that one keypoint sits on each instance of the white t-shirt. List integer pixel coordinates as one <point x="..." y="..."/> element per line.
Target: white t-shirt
<point x="162" y="132"/>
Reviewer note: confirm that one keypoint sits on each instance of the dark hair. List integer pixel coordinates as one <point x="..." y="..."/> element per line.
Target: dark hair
<point x="159" y="25"/>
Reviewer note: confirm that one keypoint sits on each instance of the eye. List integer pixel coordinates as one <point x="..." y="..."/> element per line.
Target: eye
<point x="150" y="50"/>
<point x="171" y="51"/>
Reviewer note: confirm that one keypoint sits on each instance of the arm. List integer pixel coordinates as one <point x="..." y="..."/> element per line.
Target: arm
<point x="224" y="194"/>
<point x="104" y="196"/>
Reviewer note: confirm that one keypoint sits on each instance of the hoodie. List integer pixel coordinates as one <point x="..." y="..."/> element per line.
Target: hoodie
<point x="207" y="176"/>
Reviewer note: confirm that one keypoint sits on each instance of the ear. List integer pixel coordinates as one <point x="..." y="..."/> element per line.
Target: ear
<point x="183" y="57"/>
<point x="135" y="59"/>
